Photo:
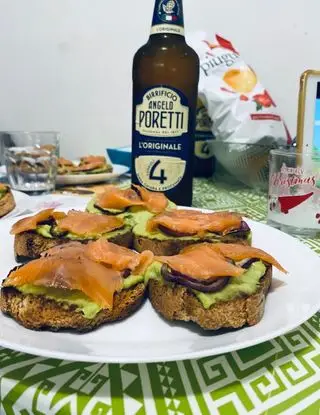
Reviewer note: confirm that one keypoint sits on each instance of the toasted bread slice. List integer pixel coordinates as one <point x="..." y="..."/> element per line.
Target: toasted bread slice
<point x="38" y="312"/>
<point x="174" y="246"/>
<point x="30" y="245"/>
<point x="7" y="204"/>
<point x="175" y="302"/>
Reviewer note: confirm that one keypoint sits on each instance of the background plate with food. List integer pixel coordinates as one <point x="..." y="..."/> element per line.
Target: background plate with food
<point x="76" y="178"/>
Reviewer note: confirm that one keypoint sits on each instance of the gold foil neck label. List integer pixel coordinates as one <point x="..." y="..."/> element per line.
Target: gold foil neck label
<point x="159" y="173"/>
<point x="167" y="28"/>
<point x="161" y="114"/>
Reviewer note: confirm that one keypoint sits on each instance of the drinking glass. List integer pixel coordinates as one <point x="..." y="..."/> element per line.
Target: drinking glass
<point x="294" y="192"/>
<point x="31" y="160"/>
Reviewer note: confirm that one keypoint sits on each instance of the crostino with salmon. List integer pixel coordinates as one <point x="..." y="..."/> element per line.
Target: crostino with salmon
<point x="170" y="231"/>
<point x="76" y="286"/>
<point x="35" y="234"/>
<point x="213" y="285"/>
<point x="7" y="202"/>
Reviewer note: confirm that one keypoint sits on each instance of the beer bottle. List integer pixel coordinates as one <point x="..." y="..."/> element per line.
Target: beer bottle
<point x="165" y="88"/>
<point x="204" y="164"/>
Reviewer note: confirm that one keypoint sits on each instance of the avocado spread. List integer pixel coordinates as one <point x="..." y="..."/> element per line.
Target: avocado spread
<point x="137" y="212"/>
<point x="83" y="303"/>
<point x="140" y="230"/>
<point x="46" y="232"/>
<point x="92" y="209"/>
<point x="105" y="169"/>
<point x="3" y="192"/>
<point x="247" y="284"/>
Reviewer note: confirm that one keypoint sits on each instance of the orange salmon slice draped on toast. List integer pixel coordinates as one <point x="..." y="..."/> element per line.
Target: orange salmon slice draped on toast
<point x="77" y="273"/>
<point x="118" y="257"/>
<point x="201" y="263"/>
<point x="193" y="222"/>
<point x="236" y="252"/>
<point x="84" y="223"/>
<point x="115" y="198"/>
<point x="96" y="269"/>
<point x="93" y="159"/>
<point x="62" y="162"/>
<point x="89" y="166"/>
<point x="155" y="202"/>
<point x="31" y="222"/>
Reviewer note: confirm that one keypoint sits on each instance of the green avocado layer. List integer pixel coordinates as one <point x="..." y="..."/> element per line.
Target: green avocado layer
<point x="3" y="192"/>
<point x="92" y="209"/>
<point x="45" y="231"/>
<point x="247" y="284"/>
<point x="140" y="230"/>
<point x="106" y="169"/>
<point x="83" y="303"/>
<point x="136" y="212"/>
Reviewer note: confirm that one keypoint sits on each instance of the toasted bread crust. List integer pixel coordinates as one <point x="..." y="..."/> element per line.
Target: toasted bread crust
<point x="178" y="303"/>
<point x="38" y="312"/>
<point x="7" y="204"/>
<point x="173" y="246"/>
<point x="29" y="245"/>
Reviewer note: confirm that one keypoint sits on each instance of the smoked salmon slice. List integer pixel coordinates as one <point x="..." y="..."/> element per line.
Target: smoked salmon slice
<point x="31" y="222"/>
<point x="84" y="223"/>
<point x="110" y="254"/>
<point x="201" y="263"/>
<point x="69" y="250"/>
<point x="88" y="166"/>
<point x="193" y="222"/>
<point x="239" y="252"/>
<point x="93" y="159"/>
<point x="98" y="282"/>
<point x="62" y="162"/>
<point x="118" y="257"/>
<point x="116" y="198"/>
<point x="145" y="260"/>
<point x="155" y="202"/>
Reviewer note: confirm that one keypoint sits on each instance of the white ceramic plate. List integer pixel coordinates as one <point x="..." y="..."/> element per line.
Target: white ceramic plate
<point x="75" y="179"/>
<point x="22" y="200"/>
<point x="146" y="337"/>
<point x="58" y="202"/>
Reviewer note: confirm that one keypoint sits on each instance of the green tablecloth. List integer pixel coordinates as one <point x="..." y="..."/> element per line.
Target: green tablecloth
<point x="281" y="376"/>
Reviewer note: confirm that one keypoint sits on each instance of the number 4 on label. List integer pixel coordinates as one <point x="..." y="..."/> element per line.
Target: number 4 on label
<point x="153" y="174"/>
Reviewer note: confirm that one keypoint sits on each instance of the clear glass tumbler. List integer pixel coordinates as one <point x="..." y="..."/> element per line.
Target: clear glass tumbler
<point x="294" y="192"/>
<point x="31" y="160"/>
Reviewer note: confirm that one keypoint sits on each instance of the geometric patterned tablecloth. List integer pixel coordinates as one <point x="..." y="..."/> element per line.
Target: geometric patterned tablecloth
<point x="281" y="376"/>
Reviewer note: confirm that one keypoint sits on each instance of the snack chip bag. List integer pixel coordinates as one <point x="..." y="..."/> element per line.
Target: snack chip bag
<point x="242" y="111"/>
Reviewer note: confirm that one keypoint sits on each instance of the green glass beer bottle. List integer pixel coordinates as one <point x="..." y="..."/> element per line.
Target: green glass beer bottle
<point x="165" y="89"/>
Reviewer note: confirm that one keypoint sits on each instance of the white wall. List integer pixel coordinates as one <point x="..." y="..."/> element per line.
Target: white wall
<point x="66" y="64"/>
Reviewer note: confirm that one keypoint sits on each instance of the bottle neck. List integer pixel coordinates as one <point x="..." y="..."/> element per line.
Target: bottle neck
<point x="168" y="18"/>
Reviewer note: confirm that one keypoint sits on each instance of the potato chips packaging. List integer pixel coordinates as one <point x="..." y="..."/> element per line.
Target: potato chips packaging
<point x="242" y="111"/>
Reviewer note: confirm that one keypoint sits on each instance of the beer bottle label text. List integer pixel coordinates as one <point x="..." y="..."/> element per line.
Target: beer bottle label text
<point x="161" y="143"/>
<point x="168" y="18"/>
<point x="204" y="139"/>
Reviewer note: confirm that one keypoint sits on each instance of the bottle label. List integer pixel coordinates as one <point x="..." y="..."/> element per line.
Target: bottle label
<point x="168" y="17"/>
<point x="161" y="140"/>
<point x="204" y="139"/>
<point x="204" y="148"/>
<point x="162" y="113"/>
